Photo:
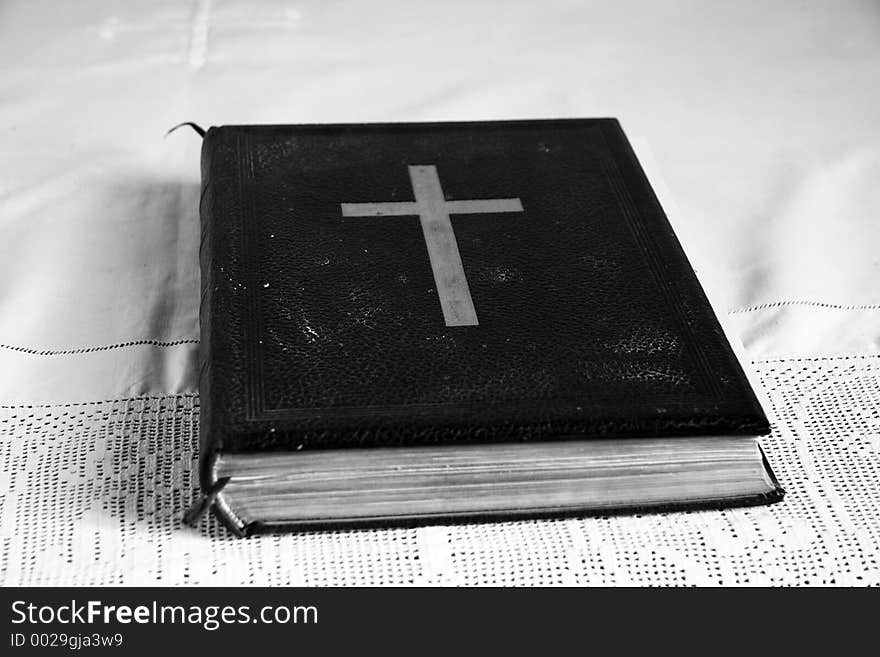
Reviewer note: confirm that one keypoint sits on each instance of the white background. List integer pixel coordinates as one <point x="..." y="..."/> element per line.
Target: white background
<point x="758" y="122"/>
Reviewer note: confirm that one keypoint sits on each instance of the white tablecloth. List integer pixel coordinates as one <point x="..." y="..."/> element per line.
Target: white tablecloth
<point x="759" y="124"/>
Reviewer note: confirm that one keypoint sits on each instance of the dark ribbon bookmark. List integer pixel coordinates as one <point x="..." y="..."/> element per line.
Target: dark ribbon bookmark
<point x="204" y="502"/>
<point x="195" y="126"/>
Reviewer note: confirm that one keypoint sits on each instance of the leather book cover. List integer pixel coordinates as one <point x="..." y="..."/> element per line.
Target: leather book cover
<point x="391" y="284"/>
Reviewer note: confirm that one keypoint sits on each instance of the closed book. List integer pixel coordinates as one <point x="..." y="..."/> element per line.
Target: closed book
<point x="431" y="322"/>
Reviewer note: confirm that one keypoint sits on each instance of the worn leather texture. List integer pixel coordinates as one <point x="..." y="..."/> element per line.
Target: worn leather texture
<point x="324" y="331"/>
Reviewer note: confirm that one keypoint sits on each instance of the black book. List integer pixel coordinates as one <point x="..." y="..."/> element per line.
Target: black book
<point x="410" y="323"/>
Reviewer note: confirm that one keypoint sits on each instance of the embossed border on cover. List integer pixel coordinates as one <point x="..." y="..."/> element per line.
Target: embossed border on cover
<point x="256" y="407"/>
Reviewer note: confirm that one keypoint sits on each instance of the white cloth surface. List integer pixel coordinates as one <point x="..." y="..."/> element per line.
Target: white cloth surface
<point x="92" y="495"/>
<point x="758" y="123"/>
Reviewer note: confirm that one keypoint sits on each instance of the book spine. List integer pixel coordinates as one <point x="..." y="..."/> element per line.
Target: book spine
<point x="208" y="442"/>
<point x="206" y="203"/>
